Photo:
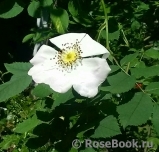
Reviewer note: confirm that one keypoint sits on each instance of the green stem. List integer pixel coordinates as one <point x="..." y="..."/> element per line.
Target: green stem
<point x="106" y="25"/>
<point x="111" y="53"/>
<point x="101" y="29"/>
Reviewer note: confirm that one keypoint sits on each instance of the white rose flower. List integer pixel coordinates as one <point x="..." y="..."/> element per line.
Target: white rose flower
<point x="71" y="65"/>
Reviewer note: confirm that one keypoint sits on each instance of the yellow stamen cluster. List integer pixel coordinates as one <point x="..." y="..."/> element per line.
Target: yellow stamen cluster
<point x="69" y="56"/>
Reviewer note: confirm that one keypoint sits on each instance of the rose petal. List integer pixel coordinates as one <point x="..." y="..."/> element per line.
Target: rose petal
<point x="90" y="75"/>
<point x="44" y="53"/>
<point x="67" y="38"/>
<point x="57" y="80"/>
<point x="90" y="47"/>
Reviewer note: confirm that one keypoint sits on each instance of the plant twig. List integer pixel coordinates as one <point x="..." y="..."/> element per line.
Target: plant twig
<point x="106" y="25"/>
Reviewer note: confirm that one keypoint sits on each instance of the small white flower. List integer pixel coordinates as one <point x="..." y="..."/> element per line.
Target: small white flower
<point x="61" y="69"/>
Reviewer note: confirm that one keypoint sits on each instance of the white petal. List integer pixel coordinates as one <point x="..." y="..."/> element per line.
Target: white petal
<point x="67" y="38"/>
<point x="90" y="47"/>
<point x="45" y="53"/>
<point x="90" y="75"/>
<point x="57" y="80"/>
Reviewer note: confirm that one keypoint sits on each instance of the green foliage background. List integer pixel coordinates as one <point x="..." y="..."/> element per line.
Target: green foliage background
<point x="127" y="105"/>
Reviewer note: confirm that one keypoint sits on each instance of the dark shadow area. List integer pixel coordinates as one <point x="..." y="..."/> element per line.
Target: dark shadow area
<point x="12" y="32"/>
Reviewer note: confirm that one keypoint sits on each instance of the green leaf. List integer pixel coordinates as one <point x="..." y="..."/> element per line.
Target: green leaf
<point x="60" y="98"/>
<point x="88" y="150"/>
<point x="85" y="20"/>
<point x="114" y="35"/>
<point x="34" y="9"/>
<point x="79" y="11"/>
<point x="152" y="53"/>
<point x="60" y="19"/>
<point x="114" y="68"/>
<point x="154" y="141"/>
<point x="27" y="125"/>
<point x="128" y="58"/>
<point x="28" y="37"/>
<point x="46" y="3"/>
<point x="145" y="71"/>
<point x="73" y="150"/>
<point x="42" y="90"/>
<point x="8" y="141"/>
<point x="19" y="81"/>
<point x="72" y="8"/>
<point x="143" y="7"/>
<point x="18" y="68"/>
<point x="16" y="85"/>
<point x="155" y="118"/>
<point x="108" y="127"/>
<point x="153" y="88"/>
<point x="10" y="8"/>
<point x="135" y="25"/>
<point x="119" y="83"/>
<point x="137" y="111"/>
<point x="24" y="149"/>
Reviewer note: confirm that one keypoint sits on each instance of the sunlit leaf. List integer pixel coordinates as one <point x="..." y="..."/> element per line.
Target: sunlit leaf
<point x="42" y="90"/>
<point x="108" y="127"/>
<point x="119" y="83"/>
<point x="27" y="125"/>
<point x="60" y="19"/>
<point x="155" y="118"/>
<point x="137" y="111"/>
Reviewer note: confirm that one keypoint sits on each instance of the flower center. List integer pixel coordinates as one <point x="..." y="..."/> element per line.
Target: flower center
<point x="70" y="56"/>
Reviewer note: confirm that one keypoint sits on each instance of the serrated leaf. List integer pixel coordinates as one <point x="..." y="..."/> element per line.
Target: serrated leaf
<point x="108" y="127"/>
<point x="27" y="125"/>
<point x="119" y="83"/>
<point x="27" y="38"/>
<point x="145" y="71"/>
<point x="42" y="90"/>
<point x="18" y="68"/>
<point x="9" y="9"/>
<point x="16" y="85"/>
<point x="128" y="58"/>
<point x="8" y="141"/>
<point x="60" y="19"/>
<point x="153" y="88"/>
<point x="152" y="53"/>
<point x="34" y="9"/>
<point x="60" y="98"/>
<point x="137" y="111"/>
<point x="155" y="118"/>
